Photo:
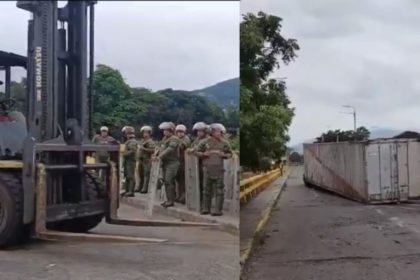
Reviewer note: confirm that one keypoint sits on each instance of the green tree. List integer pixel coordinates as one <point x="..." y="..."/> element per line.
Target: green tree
<point x="232" y="116"/>
<point x="117" y="105"/>
<point x="110" y="98"/>
<point x="265" y="112"/>
<point x="295" y="157"/>
<point x="360" y="134"/>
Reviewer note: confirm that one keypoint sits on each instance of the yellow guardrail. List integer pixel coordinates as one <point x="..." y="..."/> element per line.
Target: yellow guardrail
<point x="250" y="187"/>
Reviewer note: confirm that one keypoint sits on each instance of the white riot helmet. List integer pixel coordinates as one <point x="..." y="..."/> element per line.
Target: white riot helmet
<point x="180" y="127"/>
<point x="129" y="129"/>
<point x="218" y="126"/>
<point x="146" y="128"/>
<point x="167" y="125"/>
<point x="199" y="126"/>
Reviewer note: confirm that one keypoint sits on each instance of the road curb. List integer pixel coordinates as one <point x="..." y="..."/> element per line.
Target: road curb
<point x="260" y="229"/>
<point x="228" y="226"/>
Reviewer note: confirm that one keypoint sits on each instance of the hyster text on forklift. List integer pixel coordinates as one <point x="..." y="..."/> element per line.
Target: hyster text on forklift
<point x="47" y="189"/>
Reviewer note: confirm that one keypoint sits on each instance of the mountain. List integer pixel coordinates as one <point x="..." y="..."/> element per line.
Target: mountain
<point x="224" y="94"/>
<point x="384" y="133"/>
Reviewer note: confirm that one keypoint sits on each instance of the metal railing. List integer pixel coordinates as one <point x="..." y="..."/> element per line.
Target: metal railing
<point x="251" y="187"/>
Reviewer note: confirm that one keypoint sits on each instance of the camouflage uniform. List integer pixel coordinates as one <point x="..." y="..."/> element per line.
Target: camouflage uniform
<point x="214" y="171"/>
<point x="145" y="151"/>
<point x="131" y="146"/>
<point x="168" y="153"/>
<point x="103" y="156"/>
<point x="184" y="143"/>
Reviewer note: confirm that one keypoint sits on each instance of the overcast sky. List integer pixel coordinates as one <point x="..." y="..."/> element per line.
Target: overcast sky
<point x="362" y="53"/>
<point x="182" y="45"/>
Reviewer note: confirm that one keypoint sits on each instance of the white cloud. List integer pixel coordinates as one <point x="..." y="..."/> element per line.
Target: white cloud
<point x="363" y="53"/>
<point x="183" y="45"/>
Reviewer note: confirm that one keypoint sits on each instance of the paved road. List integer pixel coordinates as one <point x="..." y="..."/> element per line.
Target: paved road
<point x="316" y="235"/>
<point x="190" y="253"/>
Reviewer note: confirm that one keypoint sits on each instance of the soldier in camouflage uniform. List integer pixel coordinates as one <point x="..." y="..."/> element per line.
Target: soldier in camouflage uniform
<point x="168" y="154"/>
<point x="201" y="129"/>
<point x="129" y="155"/>
<point x="184" y="144"/>
<point x="213" y="151"/>
<point x="145" y="152"/>
<point x="103" y="139"/>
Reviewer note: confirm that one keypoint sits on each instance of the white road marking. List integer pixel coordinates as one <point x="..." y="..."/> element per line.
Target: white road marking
<point x="397" y="221"/>
<point x="410" y="208"/>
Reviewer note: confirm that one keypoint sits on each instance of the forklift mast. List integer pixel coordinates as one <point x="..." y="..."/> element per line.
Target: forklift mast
<point x="58" y="99"/>
<point x="60" y="189"/>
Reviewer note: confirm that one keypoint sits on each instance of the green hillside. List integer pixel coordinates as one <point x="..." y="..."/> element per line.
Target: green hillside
<point x="224" y="94"/>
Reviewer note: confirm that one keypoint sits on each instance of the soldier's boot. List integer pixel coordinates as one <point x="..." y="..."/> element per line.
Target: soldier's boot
<point x="206" y="201"/>
<point x="145" y="185"/>
<point x="220" y="197"/>
<point x="125" y="190"/>
<point x="170" y="195"/>
<point x="181" y="198"/>
<point x="218" y="211"/>
<point x="130" y="185"/>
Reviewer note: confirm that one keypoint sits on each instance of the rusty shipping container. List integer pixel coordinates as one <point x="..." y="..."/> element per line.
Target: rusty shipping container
<point x="376" y="171"/>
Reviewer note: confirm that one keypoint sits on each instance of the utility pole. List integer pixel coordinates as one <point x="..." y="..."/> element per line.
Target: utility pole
<point x="352" y="113"/>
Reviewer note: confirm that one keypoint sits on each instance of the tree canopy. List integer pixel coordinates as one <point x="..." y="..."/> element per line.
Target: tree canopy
<point x="338" y="135"/>
<point x="265" y="112"/>
<point x="295" y="157"/>
<point x="116" y="104"/>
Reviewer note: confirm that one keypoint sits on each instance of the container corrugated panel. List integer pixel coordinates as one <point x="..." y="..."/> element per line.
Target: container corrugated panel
<point x="337" y="167"/>
<point x="374" y="171"/>
<point x="414" y="169"/>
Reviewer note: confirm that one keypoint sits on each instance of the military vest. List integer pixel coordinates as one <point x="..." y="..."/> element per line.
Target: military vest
<point x="169" y="149"/>
<point x="185" y="143"/>
<point x="131" y="149"/>
<point x="148" y="144"/>
<point x="99" y="140"/>
<point x="213" y="164"/>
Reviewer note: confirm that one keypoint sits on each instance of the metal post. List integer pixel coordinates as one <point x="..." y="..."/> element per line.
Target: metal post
<point x="354" y="116"/>
<point x="91" y="65"/>
<point x="7" y="83"/>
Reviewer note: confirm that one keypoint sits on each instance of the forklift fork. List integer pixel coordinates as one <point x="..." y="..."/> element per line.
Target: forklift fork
<point x="41" y="231"/>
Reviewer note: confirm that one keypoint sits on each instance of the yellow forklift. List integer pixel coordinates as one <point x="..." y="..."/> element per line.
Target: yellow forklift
<point x="47" y="188"/>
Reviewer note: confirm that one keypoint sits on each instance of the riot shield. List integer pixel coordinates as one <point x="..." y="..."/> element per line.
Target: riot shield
<point x="192" y="182"/>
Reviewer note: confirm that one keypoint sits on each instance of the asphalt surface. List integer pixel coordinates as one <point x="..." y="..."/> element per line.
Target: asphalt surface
<point x="317" y="235"/>
<point x="189" y="253"/>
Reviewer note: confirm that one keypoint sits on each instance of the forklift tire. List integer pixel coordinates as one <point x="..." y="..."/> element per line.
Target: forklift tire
<point x="12" y="230"/>
<point x="84" y="224"/>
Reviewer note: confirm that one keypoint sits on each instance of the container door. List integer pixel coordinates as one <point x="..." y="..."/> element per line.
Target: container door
<point x="373" y="174"/>
<point x="403" y="173"/>
<point x="387" y="170"/>
<point x="387" y="173"/>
